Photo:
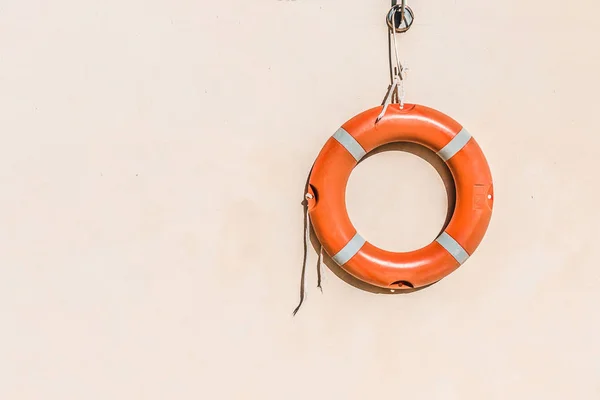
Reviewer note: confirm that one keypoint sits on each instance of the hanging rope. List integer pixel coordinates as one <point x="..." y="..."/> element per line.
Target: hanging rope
<point x="399" y="71"/>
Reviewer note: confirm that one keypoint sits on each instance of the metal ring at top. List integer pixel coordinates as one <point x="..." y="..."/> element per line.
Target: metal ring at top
<point x="403" y="16"/>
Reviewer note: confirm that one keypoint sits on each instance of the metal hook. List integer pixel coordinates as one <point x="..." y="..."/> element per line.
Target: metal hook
<point x="402" y="9"/>
<point x="402" y="21"/>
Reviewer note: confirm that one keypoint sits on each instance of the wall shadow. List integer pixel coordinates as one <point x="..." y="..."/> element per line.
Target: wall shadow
<point x="444" y="172"/>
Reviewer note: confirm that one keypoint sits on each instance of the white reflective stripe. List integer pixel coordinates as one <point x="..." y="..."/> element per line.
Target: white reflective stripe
<point x="350" y="144"/>
<point x="455" y="145"/>
<point x="453" y="247"/>
<point x="349" y="250"/>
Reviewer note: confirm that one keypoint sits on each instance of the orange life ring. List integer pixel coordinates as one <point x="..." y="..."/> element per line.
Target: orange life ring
<point x="362" y="134"/>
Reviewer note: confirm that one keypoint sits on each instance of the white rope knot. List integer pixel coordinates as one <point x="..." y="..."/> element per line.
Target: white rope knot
<point x="402" y="95"/>
<point x="404" y="71"/>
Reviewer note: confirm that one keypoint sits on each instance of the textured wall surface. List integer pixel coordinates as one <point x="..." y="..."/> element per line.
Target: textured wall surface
<point x="153" y="162"/>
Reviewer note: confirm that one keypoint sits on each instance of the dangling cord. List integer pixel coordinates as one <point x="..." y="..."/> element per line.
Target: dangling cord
<point x="303" y="276"/>
<point x="319" y="260"/>
<point x="319" y="267"/>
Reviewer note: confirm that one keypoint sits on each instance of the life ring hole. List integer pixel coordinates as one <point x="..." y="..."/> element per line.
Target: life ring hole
<point x="403" y="284"/>
<point x="402" y="199"/>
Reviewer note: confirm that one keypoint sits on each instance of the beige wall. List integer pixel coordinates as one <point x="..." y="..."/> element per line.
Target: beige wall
<point x="153" y="160"/>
